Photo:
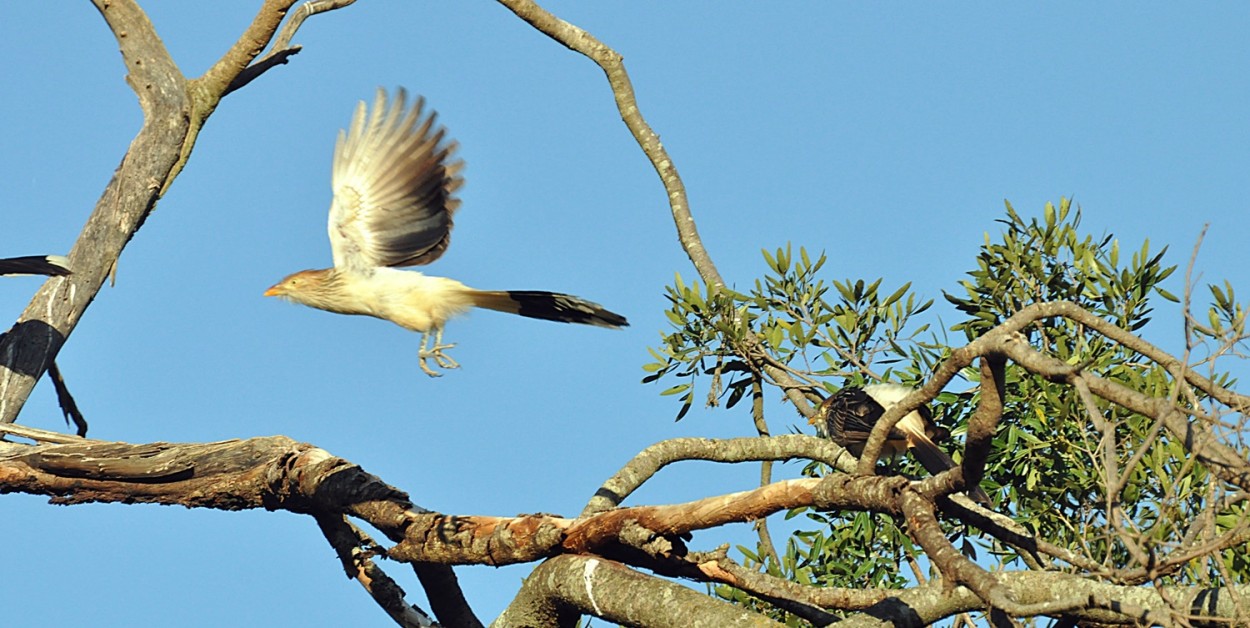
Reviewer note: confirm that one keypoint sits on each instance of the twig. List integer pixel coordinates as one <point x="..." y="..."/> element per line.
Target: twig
<point x="611" y="63"/>
<point x="355" y="551"/>
<point x="767" y="549"/>
<point x="282" y="50"/>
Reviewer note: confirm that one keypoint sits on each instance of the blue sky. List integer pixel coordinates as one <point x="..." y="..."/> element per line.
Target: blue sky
<point x="886" y="134"/>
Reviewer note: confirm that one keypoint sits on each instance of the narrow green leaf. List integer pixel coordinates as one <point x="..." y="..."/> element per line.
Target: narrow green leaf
<point x="675" y="390"/>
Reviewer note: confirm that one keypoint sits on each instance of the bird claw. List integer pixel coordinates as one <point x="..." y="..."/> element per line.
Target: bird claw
<point x="441" y="359"/>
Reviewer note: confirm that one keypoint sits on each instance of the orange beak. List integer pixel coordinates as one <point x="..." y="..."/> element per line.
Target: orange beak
<point x="274" y="291"/>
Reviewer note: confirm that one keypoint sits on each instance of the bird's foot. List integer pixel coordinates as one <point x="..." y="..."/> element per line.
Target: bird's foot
<point x="441" y="359"/>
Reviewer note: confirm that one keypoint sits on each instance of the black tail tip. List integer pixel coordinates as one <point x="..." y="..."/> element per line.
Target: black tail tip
<point x="565" y="308"/>
<point x="51" y="265"/>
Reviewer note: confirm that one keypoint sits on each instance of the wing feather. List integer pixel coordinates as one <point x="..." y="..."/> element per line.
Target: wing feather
<point x="394" y="180"/>
<point x="849" y="416"/>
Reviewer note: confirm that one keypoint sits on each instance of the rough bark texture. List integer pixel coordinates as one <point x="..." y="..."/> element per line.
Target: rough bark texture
<point x="563" y="588"/>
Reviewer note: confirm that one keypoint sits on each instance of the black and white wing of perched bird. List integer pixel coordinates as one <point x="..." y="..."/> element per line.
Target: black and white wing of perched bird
<point x="394" y="180"/>
<point x="848" y="416"/>
<point x="50" y="265"/>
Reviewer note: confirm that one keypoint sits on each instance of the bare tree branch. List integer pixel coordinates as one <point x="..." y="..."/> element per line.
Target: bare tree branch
<point x="174" y="109"/>
<point x="356" y="550"/>
<point x="649" y="462"/>
<point x="54" y="311"/>
<point x="282" y="49"/>
<point x="565" y="587"/>
<point x="586" y="562"/>
<point x="613" y="66"/>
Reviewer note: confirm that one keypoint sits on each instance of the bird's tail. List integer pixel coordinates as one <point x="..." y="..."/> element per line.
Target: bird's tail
<point x="551" y="306"/>
<point x="935" y="460"/>
<point x="51" y="265"/>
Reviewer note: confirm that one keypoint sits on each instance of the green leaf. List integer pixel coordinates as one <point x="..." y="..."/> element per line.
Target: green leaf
<point x="680" y="388"/>
<point x="898" y="294"/>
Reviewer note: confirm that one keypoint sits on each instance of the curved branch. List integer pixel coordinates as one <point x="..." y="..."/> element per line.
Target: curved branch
<point x="649" y="461"/>
<point x="611" y="63"/>
<point x="835" y="491"/>
<point x="1197" y="438"/>
<point x="1005" y="340"/>
<point x="718" y="567"/>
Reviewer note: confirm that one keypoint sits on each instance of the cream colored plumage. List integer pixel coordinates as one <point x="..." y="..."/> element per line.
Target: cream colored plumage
<point x="394" y="179"/>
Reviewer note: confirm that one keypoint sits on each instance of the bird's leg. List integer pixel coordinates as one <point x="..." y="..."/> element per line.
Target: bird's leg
<point x="436" y="352"/>
<point x="443" y="359"/>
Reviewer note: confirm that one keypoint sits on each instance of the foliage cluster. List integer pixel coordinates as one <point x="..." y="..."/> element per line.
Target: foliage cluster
<point x="1050" y="464"/>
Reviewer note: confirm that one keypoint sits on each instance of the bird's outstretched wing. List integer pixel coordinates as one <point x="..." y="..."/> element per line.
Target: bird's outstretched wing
<point x="394" y="181"/>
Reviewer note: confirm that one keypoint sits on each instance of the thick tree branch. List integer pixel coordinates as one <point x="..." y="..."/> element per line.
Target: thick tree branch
<point x="565" y="587"/>
<point x="173" y="111"/>
<point x="54" y="311"/>
<point x="1088" y="601"/>
<point x="277" y="473"/>
<point x="836" y="491"/>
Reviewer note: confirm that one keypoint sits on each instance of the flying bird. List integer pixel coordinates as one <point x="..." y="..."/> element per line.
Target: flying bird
<point x="848" y="416"/>
<point x="394" y="178"/>
<point x="50" y="265"/>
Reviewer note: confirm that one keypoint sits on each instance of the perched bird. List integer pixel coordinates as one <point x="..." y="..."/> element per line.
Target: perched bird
<point x="50" y="265"/>
<point x="394" y="179"/>
<point x="848" y="416"/>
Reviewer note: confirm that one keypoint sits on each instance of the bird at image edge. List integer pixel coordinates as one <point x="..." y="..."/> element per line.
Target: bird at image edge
<point x="50" y="265"/>
<point x="848" y="416"/>
<point x="394" y="178"/>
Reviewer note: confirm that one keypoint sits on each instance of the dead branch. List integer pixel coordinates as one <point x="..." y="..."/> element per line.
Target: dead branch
<point x="282" y="49"/>
<point x="174" y="109"/>
<point x="356" y="551"/>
